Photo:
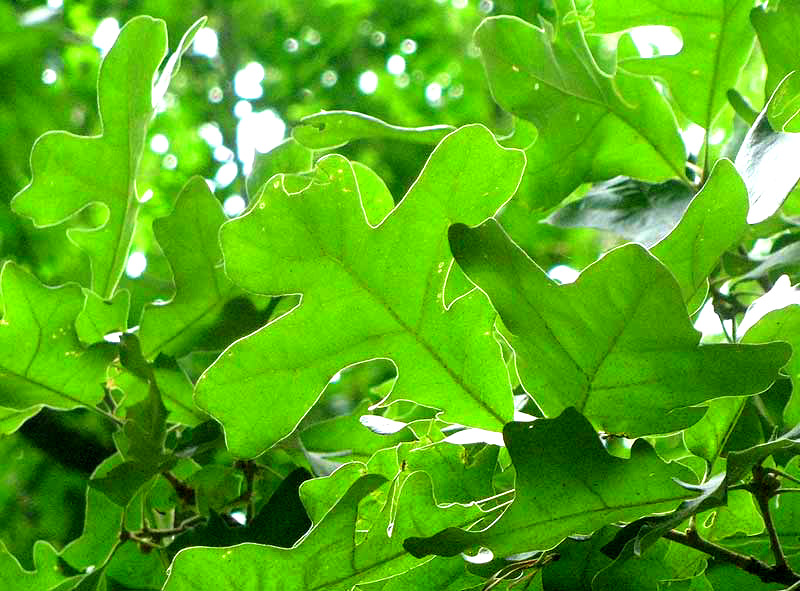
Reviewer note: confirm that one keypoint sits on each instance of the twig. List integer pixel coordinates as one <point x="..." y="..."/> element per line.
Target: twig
<point x="750" y="564"/>
<point x="763" y="492"/>
<point x="783" y="474"/>
<point x="185" y="493"/>
<point x="153" y="537"/>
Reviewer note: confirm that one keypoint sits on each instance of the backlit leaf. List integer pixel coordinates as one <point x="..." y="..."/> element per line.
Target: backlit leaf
<point x="591" y="127"/>
<point x="73" y="172"/>
<point x="43" y="362"/>
<point x="591" y="344"/>
<point x="382" y="285"/>
<point x="566" y="484"/>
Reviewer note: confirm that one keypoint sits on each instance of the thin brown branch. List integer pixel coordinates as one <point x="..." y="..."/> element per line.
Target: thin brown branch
<point x="764" y="487"/>
<point x="750" y="564"/>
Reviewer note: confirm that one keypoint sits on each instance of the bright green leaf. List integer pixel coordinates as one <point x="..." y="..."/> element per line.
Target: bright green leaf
<point x="717" y="40"/>
<point x="389" y="278"/>
<point x="43" y="360"/>
<point x="779" y="35"/>
<point x="591" y="344"/>
<point x="47" y="575"/>
<point x="783" y="325"/>
<point x="591" y="127"/>
<point x="287" y="157"/>
<point x="100" y="317"/>
<point x="327" y="557"/>
<point x="70" y="173"/>
<point x="713" y="222"/>
<point x="784" y="105"/>
<point x="189" y="238"/>
<point x="331" y="129"/>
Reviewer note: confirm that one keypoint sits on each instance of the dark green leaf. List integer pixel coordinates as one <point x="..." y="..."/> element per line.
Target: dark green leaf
<point x="567" y="484"/>
<point x="639" y="211"/>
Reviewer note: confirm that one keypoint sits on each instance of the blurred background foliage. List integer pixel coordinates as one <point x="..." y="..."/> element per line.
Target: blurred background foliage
<point x="253" y="72"/>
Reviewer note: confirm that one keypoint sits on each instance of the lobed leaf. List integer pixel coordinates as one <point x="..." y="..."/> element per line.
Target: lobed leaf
<point x="566" y="484"/>
<point x="71" y="173"/>
<point x="43" y="362"/>
<point x="331" y="129"/>
<point x="713" y="222"/>
<point x="717" y="40"/>
<point x="591" y="344"/>
<point x="380" y="286"/>
<point x="591" y="126"/>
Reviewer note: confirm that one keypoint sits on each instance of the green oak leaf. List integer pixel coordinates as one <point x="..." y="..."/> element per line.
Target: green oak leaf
<point x="382" y="285"/>
<point x="717" y="40"/>
<point x="778" y="33"/>
<point x="441" y="574"/>
<point x="12" y="419"/>
<point x="287" y="157"/>
<point x="71" y="173"/>
<point x="641" y="212"/>
<point x="591" y="126"/>
<point x="592" y="344"/>
<point x="189" y="239"/>
<point x="102" y="524"/>
<point x="740" y="462"/>
<point x="44" y="363"/>
<point x="100" y="317"/>
<point x="172" y="382"/>
<point x="47" y="575"/>
<point x="714" y="220"/>
<point x="346" y="433"/>
<point x="566" y="484"/>
<point x="639" y="535"/>
<point x="331" y="129"/>
<point x="767" y="162"/>
<point x="783" y="325"/>
<point x="327" y="557"/>
<point x="784" y="105"/>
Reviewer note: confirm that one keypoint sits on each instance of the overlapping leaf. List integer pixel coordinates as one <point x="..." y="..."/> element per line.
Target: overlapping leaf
<point x="334" y="128"/>
<point x="717" y="40"/>
<point x="778" y="33"/>
<point x="43" y="362"/>
<point x="566" y="484"/>
<point x="380" y="287"/>
<point x="767" y="162"/>
<point x="189" y="238"/>
<point x="639" y="211"/>
<point x="617" y="344"/>
<point x="328" y="556"/>
<point x="71" y="173"/>
<point x="784" y="325"/>
<point x="591" y="127"/>
<point x="714" y="220"/>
